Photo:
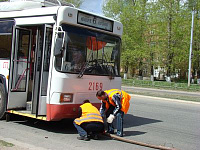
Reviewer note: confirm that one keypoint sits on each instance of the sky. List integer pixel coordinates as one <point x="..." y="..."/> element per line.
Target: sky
<point x="92" y="6"/>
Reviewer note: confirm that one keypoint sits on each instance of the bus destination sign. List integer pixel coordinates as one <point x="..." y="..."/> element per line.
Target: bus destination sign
<point x="95" y="21"/>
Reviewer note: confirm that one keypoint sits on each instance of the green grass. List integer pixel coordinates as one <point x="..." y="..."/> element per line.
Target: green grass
<point x="161" y="85"/>
<point x="6" y="144"/>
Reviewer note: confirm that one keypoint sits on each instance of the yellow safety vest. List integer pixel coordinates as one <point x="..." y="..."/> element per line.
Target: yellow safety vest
<point x="89" y="114"/>
<point x="125" y="98"/>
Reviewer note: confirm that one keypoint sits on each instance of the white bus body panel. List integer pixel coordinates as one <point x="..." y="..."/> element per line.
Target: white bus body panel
<point x="82" y="88"/>
<point x="42" y="109"/>
<point x="44" y="11"/>
<point x="64" y="15"/>
<point x="35" y="20"/>
<point x="69" y="15"/>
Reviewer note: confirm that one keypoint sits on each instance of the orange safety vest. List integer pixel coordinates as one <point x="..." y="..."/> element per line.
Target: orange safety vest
<point x="125" y="98"/>
<point x="89" y="114"/>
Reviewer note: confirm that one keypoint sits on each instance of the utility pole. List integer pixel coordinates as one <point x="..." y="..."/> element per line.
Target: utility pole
<point x="190" y="53"/>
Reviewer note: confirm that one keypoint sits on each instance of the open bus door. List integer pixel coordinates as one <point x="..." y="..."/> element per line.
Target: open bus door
<point x="30" y="70"/>
<point x="19" y="69"/>
<point x="41" y="73"/>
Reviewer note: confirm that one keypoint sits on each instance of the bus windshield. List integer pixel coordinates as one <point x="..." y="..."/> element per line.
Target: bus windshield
<point x="89" y="52"/>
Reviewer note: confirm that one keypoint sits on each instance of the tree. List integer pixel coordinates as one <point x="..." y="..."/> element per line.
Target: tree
<point x="169" y="21"/>
<point x="132" y="14"/>
<point x="76" y="3"/>
<point x="156" y="34"/>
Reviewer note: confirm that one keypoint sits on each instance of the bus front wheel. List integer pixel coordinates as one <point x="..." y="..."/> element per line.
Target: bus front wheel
<point x="2" y="101"/>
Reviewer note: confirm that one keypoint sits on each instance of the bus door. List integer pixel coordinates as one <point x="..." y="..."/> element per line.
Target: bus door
<point x="41" y="71"/>
<point x="19" y="69"/>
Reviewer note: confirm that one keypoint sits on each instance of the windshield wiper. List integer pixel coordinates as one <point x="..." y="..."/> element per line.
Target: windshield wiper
<point x="84" y="67"/>
<point x="83" y="70"/>
<point x="90" y="68"/>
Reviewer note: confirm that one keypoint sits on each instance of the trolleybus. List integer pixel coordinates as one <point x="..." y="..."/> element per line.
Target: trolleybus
<point x="54" y="56"/>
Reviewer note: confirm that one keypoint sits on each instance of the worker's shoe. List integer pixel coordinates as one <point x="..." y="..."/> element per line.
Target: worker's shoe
<point x="119" y="134"/>
<point x="95" y="137"/>
<point x="85" y="138"/>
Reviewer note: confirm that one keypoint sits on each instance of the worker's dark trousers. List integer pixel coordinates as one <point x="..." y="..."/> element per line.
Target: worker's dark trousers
<point x="119" y="117"/>
<point x="89" y="128"/>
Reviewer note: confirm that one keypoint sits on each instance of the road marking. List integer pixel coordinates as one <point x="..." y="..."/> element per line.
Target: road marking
<point x="166" y="99"/>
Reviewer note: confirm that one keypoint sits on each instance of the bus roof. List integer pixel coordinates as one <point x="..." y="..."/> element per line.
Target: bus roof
<point x="44" y="11"/>
<point x="27" y="4"/>
<point x="65" y="14"/>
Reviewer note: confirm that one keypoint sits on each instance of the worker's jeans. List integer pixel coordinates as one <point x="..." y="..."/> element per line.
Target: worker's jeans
<point x="119" y="117"/>
<point x="80" y="130"/>
<point x="89" y="128"/>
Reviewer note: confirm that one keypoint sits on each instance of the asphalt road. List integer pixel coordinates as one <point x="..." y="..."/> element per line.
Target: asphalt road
<point x="150" y="120"/>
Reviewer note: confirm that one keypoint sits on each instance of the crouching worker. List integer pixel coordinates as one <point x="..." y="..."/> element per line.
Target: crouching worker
<point x="115" y="103"/>
<point x="90" y="124"/>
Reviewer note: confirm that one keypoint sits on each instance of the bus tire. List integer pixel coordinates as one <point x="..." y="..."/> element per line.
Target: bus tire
<point x="2" y="101"/>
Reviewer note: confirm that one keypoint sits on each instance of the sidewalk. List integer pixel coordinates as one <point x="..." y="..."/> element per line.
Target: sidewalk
<point x="5" y="145"/>
<point x="165" y="99"/>
<point x="12" y="148"/>
<point x="13" y="144"/>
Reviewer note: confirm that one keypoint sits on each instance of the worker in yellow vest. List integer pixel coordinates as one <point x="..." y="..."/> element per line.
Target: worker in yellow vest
<point x="115" y="103"/>
<point x="90" y="124"/>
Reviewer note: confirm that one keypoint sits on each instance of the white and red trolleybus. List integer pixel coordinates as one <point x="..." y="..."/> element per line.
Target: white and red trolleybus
<point x="54" y="57"/>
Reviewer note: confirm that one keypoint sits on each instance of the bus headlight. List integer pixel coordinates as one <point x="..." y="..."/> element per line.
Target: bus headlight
<point x="66" y="97"/>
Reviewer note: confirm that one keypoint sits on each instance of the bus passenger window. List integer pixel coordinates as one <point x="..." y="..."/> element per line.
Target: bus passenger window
<point x="6" y="38"/>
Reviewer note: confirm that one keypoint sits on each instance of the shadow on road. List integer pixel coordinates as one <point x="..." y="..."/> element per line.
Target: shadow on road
<point x="133" y="133"/>
<point x="63" y="126"/>
<point x="132" y="121"/>
<point x="67" y="127"/>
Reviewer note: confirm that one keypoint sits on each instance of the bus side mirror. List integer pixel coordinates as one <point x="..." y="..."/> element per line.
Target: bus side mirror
<point x="58" y="47"/>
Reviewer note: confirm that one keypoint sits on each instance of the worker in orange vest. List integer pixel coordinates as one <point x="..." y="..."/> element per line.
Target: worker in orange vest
<point x="90" y="124"/>
<point x="115" y="103"/>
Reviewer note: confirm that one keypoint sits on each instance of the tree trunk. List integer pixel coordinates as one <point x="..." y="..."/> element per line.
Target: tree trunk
<point x="140" y="68"/>
<point x="169" y="46"/>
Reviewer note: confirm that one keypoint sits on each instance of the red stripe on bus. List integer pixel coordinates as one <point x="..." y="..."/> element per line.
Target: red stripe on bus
<point x="56" y="112"/>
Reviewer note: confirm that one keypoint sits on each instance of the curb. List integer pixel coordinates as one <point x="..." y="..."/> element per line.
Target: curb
<point x="160" y="90"/>
<point x="166" y="99"/>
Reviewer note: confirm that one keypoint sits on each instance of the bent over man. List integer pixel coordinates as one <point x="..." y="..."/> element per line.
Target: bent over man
<point x="115" y="103"/>
<point x="90" y="123"/>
